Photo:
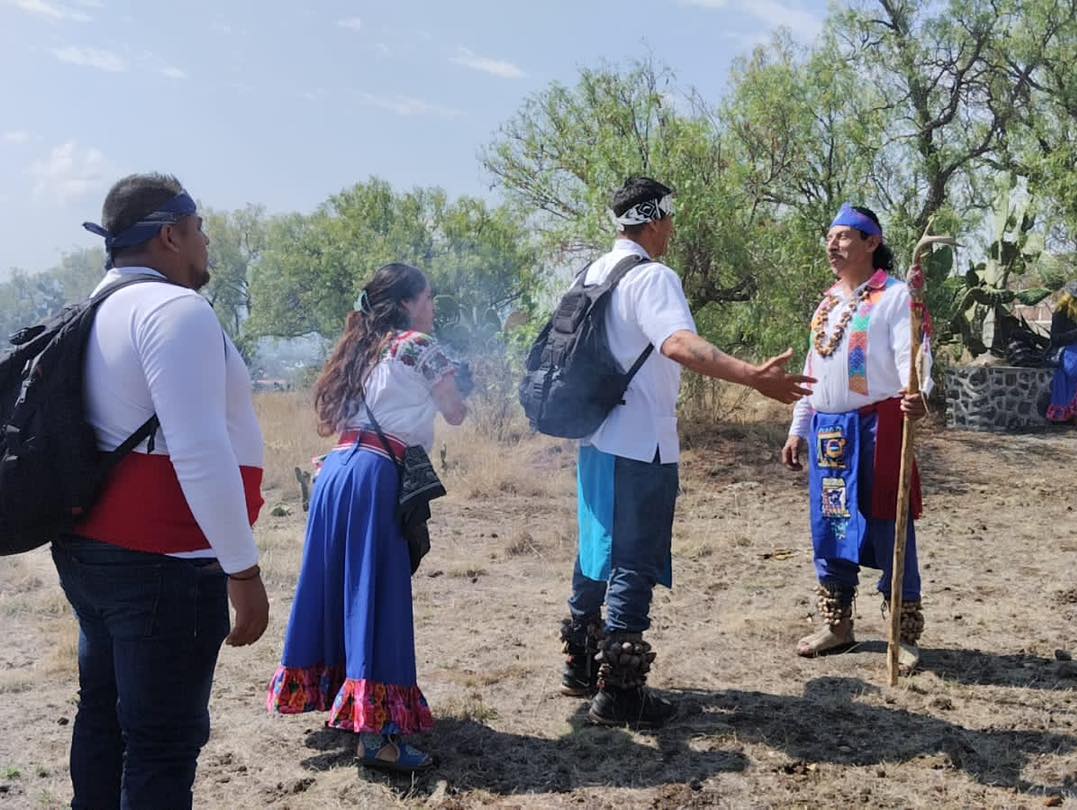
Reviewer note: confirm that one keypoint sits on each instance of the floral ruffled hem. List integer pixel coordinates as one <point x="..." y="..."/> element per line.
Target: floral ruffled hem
<point x="354" y="705"/>
<point x="1062" y="413"/>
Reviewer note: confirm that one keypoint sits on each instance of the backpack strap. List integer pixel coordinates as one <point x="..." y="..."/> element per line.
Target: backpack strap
<point x="148" y="429"/>
<point x="619" y="271"/>
<point x="105" y="292"/>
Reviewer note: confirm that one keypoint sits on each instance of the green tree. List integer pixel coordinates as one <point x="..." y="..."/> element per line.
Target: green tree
<point x="479" y="258"/>
<point x="237" y="240"/>
<point x="27" y="298"/>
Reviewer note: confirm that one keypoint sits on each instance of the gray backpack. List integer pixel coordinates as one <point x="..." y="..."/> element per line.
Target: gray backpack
<point x="572" y="380"/>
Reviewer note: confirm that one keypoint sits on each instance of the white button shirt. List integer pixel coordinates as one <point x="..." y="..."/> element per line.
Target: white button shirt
<point x="646" y="308"/>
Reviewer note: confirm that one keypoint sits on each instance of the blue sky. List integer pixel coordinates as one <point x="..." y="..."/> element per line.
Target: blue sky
<point x="285" y="103"/>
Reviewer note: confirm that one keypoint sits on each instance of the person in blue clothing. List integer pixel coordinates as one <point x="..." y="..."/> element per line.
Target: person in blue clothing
<point x="1063" y="407"/>
<point x="628" y="468"/>
<point x="350" y="645"/>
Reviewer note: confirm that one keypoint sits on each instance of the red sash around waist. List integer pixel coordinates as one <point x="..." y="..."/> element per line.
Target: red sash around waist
<point x="370" y="440"/>
<point x="142" y="507"/>
<point x="887" y="480"/>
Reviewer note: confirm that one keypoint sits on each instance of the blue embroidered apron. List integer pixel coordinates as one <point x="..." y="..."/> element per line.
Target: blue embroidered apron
<point x="837" y="526"/>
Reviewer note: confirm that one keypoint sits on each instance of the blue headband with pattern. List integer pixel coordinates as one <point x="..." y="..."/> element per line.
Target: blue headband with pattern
<point x="849" y="217"/>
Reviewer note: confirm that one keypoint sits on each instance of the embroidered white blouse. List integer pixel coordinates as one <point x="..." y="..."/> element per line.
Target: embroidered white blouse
<point x="399" y="389"/>
<point x="871" y="363"/>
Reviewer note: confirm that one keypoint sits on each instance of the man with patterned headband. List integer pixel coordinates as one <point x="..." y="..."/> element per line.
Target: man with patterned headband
<point x="852" y="426"/>
<point x="150" y="569"/>
<point x="627" y="469"/>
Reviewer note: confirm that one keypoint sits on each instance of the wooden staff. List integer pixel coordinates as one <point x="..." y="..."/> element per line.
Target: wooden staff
<point x="916" y="284"/>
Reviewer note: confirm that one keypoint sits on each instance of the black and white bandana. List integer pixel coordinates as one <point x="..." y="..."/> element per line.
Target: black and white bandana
<point x="644" y="212"/>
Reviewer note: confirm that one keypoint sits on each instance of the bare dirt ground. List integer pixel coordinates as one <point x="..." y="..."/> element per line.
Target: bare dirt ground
<point x="989" y="721"/>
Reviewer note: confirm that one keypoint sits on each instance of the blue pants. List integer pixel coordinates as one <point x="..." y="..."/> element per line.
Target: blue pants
<point x="645" y="495"/>
<point x="877" y="551"/>
<point x="150" y="628"/>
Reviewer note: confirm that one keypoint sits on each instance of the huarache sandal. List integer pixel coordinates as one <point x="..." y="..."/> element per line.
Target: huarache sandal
<point x="387" y="753"/>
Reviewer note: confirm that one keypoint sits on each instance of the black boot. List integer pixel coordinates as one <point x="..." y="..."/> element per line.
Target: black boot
<point x="580" y="638"/>
<point x="623" y="698"/>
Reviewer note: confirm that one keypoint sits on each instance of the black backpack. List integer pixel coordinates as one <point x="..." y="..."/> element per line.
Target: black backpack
<point x="50" y="468"/>
<point x="572" y="380"/>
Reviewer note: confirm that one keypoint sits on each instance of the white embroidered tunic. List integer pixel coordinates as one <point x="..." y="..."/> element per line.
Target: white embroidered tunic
<point x="871" y="363"/>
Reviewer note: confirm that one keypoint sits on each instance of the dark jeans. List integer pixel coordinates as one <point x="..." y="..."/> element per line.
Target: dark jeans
<point x="645" y="496"/>
<point x="150" y="628"/>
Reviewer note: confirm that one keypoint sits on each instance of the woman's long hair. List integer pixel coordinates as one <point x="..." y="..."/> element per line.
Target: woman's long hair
<point x="369" y="327"/>
<point x="883" y="257"/>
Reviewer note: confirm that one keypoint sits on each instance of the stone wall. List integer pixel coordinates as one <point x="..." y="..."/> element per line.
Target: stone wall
<point x="999" y="398"/>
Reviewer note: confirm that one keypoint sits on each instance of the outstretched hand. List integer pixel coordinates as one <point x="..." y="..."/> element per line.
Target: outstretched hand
<point x="771" y="380"/>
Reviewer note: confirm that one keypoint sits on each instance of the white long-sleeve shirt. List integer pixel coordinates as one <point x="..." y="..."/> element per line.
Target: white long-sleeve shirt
<point x="158" y="348"/>
<point x="872" y="361"/>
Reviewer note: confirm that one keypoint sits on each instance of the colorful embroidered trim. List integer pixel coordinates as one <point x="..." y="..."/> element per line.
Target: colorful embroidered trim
<point x="1062" y="413"/>
<point x="858" y="337"/>
<point x="353" y="705"/>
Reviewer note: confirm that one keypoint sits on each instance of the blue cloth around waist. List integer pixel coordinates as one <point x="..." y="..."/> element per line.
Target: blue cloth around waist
<point x="841" y="450"/>
<point x="625" y="510"/>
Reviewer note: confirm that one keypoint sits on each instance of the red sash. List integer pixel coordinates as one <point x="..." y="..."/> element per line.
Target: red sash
<point x="888" y="433"/>
<point x="370" y="440"/>
<point x="143" y="507"/>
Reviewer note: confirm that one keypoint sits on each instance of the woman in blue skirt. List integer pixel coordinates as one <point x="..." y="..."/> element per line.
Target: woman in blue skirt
<point x="350" y="646"/>
<point x="1063" y="407"/>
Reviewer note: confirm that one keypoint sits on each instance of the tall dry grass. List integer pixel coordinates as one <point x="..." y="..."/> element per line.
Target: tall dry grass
<point x="493" y="453"/>
<point x="291" y="440"/>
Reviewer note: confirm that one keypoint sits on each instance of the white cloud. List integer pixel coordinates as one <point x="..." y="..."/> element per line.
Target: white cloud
<point x="174" y="72"/>
<point x="91" y="57"/>
<point x="352" y="23"/>
<point x="90" y="3"/>
<point x="495" y="67"/>
<point x="50" y="10"/>
<point x="803" y="24"/>
<point x="406" y="106"/>
<point x="16" y="136"/>
<point x="69" y="172"/>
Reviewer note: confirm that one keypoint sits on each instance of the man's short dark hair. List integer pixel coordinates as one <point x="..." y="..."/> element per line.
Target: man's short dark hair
<point x="134" y="196"/>
<point x="636" y="190"/>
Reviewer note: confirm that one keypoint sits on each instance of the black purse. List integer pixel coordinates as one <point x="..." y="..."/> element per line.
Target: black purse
<point x="419" y="484"/>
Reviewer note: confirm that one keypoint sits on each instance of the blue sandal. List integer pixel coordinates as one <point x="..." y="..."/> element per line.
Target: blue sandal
<point x="404" y="758"/>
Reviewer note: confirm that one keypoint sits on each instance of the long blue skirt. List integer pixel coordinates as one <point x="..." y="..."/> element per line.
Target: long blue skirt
<point x="1063" y="405"/>
<point x="350" y="644"/>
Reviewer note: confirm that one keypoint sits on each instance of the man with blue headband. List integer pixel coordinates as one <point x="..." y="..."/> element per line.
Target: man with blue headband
<point x="151" y="567"/>
<point x="851" y="427"/>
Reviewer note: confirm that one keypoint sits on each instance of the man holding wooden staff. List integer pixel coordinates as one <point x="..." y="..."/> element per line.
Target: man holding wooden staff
<point x="852" y="426"/>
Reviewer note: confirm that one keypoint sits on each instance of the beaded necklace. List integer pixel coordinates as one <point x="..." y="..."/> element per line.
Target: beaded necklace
<point x="826" y="346"/>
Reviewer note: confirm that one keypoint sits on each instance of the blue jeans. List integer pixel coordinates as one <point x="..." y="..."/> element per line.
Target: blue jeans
<point x="645" y="496"/>
<point x="150" y="629"/>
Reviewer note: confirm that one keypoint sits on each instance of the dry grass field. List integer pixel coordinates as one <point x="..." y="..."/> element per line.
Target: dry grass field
<point x="989" y="721"/>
